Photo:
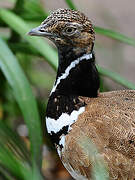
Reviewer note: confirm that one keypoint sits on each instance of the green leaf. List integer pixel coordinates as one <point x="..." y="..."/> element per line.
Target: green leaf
<point x="5" y="174"/>
<point x="116" y="77"/>
<point x="24" y="96"/>
<point x="42" y="79"/>
<point x="99" y="170"/>
<point x="71" y="4"/>
<point x="23" y="48"/>
<point x="34" y="7"/>
<point x="115" y="35"/>
<point x="19" y="169"/>
<point x="13" y="1"/>
<point x="13" y="141"/>
<point x="13" y="153"/>
<point x="18" y="25"/>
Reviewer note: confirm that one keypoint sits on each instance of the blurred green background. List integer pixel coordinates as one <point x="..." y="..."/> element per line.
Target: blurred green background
<point x="27" y="71"/>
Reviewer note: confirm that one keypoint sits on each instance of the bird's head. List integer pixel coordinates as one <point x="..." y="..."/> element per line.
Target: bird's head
<point x="67" y="28"/>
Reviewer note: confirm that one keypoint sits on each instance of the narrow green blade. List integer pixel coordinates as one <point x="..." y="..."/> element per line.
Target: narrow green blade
<point x="24" y="96"/>
<point x="13" y="141"/>
<point x="14" y="156"/>
<point x="115" y="35"/>
<point x="116" y="77"/>
<point x="17" y="168"/>
<point x="18" y="25"/>
<point x="71" y="4"/>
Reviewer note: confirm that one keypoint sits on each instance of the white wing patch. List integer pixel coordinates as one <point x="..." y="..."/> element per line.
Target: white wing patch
<point x="72" y="65"/>
<point x="64" y="120"/>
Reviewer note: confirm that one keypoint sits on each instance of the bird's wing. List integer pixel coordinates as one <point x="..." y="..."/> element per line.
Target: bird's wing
<point x="109" y="123"/>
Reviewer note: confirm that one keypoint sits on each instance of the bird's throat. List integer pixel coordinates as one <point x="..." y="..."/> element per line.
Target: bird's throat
<point x="77" y="75"/>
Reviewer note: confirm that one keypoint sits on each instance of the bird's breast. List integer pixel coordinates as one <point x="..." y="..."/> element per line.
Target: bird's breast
<point x="62" y="112"/>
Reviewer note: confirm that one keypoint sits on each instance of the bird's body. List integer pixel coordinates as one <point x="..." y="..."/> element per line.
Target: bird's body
<point x="109" y="122"/>
<point x="77" y="110"/>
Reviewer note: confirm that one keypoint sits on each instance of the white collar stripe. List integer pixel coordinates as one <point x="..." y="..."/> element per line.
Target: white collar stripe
<point x="72" y="65"/>
<point x="64" y="120"/>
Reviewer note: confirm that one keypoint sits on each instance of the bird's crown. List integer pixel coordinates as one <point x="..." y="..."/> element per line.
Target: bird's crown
<point x="67" y="16"/>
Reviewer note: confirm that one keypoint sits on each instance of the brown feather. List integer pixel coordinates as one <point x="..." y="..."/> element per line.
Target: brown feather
<point x="109" y="121"/>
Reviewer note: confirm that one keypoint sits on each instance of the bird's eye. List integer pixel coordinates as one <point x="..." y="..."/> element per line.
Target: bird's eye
<point x="42" y="30"/>
<point x="69" y="30"/>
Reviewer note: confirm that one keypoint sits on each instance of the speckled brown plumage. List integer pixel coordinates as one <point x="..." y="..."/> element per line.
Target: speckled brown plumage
<point x="77" y="110"/>
<point x="62" y="16"/>
<point x="109" y="121"/>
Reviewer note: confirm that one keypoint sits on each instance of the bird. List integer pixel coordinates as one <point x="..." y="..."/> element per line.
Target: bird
<point x="78" y="113"/>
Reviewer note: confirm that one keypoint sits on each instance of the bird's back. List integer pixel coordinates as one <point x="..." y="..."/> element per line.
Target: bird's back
<point x="109" y="122"/>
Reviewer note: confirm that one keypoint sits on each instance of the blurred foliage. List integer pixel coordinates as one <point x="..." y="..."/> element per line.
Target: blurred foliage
<point x="99" y="169"/>
<point x="25" y="83"/>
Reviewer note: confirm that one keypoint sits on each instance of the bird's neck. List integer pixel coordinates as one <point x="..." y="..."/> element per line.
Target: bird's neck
<point x="77" y="74"/>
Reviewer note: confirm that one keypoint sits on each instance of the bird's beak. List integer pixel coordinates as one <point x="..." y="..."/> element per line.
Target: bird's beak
<point x="39" y="32"/>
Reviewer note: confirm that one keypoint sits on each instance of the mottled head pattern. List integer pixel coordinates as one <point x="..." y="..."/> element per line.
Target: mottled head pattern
<point x="69" y="27"/>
